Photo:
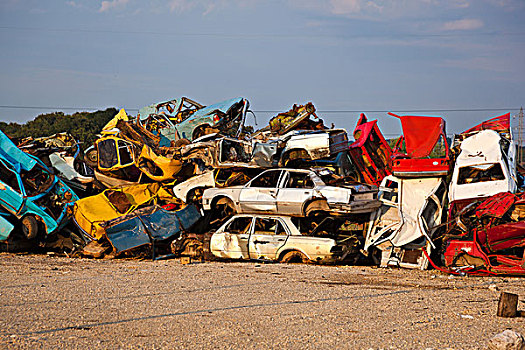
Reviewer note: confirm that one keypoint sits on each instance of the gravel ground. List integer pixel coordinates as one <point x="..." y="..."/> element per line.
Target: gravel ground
<point x="57" y="302"/>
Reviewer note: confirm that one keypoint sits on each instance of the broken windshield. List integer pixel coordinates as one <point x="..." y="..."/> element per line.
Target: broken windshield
<point x="480" y="173"/>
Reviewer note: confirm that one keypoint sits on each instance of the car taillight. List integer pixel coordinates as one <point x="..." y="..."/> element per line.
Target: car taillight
<point x="216" y="118"/>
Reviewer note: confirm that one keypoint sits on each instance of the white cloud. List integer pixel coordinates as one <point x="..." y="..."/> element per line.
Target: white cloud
<point x="206" y="6"/>
<point x="463" y="24"/>
<point x="109" y="5"/>
<point x="506" y="4"/>
<point x="181" y="5"/>
<point x="345" y="7"/>
<point x="382" y="9"/>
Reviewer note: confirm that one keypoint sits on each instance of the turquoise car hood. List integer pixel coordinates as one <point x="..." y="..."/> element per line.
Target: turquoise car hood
<point x="14" y="155"/>
<point x="221" y="106"/>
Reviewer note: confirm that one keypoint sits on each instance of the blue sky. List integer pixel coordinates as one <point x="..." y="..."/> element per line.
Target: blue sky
<point x="343" y="55"/>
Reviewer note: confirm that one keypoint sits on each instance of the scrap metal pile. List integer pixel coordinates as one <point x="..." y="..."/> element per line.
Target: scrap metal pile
<point x="181" y="178"/>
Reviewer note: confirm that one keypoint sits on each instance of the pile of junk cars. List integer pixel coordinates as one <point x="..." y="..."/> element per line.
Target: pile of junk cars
<point x="184" y="179"/>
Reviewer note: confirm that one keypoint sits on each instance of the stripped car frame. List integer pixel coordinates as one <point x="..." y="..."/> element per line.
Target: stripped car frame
<point x="277" y="238"/>
<point x="184" y="118"/>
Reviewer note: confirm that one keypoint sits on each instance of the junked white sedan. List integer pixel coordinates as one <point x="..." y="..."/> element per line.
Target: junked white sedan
<point x="267" y="237"/>
<point x="294" y="192"/>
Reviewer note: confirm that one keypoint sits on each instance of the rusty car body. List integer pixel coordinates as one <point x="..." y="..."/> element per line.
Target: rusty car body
<point x="488" y="237"/>
<point x="275" y="238"/>
<point x="30" y="195"/>
<point x="370" y="152"/>
<point x="149" y="226"/>
<point x="122" y="159"/>
<point x="215" y="151"/>
<point x="62" y="153"/>
<point x="403" y="228"/>
<point x="90" y="213"/>
<point x="299" y="117"/>
<point x="185" y="118"/>
<point x="295" y="192"/>
<point x="485" y="164"/>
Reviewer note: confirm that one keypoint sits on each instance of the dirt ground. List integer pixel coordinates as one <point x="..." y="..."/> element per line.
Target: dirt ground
<point x="56" y="302"/>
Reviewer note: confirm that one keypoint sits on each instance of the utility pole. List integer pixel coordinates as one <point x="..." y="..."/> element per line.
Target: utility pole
<point x="520" y="136"/>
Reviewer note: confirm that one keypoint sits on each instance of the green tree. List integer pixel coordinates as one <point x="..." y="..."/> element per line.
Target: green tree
<point x="84" y="126"/>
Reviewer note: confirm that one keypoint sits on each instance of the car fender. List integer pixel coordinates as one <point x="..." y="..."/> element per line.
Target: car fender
<point x="49" y="225"/>
<point x="211" y="195"/>
<point x="284" y="249"/>
<point x="321" y="203"/>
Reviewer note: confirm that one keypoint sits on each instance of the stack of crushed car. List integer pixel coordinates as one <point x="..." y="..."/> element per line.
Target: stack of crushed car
<point x="181" y="178"/>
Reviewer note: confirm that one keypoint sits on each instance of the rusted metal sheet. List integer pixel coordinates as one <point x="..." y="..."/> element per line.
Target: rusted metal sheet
<point x="487" y="238"/>
<point x="298" y="117"/>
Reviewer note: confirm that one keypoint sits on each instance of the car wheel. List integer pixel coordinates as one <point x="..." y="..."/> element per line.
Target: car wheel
<point x="316" y="208"/>
<point x="29" y="227"/>
<point x="293" y="256"/>
<point x="225" y="208"/>
<point x="194" y="196"/>
<point x="354" y="175"/>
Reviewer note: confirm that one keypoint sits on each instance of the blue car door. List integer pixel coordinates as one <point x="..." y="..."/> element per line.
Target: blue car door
<point x="11" y="197"/>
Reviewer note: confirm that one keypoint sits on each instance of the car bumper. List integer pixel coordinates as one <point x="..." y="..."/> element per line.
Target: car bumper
<point x="356" y="207"/>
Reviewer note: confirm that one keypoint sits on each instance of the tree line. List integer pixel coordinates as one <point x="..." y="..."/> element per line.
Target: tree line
<point x="84" y="126"/>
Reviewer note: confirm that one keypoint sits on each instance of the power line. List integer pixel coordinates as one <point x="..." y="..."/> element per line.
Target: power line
<point x="408" y="110"/>
<point x="260" y="35"/>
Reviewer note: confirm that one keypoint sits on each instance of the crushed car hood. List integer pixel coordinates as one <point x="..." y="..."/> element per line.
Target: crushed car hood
<point x="18" y="158"/>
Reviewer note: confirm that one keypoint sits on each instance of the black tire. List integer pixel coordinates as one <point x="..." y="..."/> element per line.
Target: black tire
<point x="293" y="256"/>
<point x="29" y="227"/>
<point x="194" y="196"/>
<point x="222" y="210"/>
<point x="313" y="210"/>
